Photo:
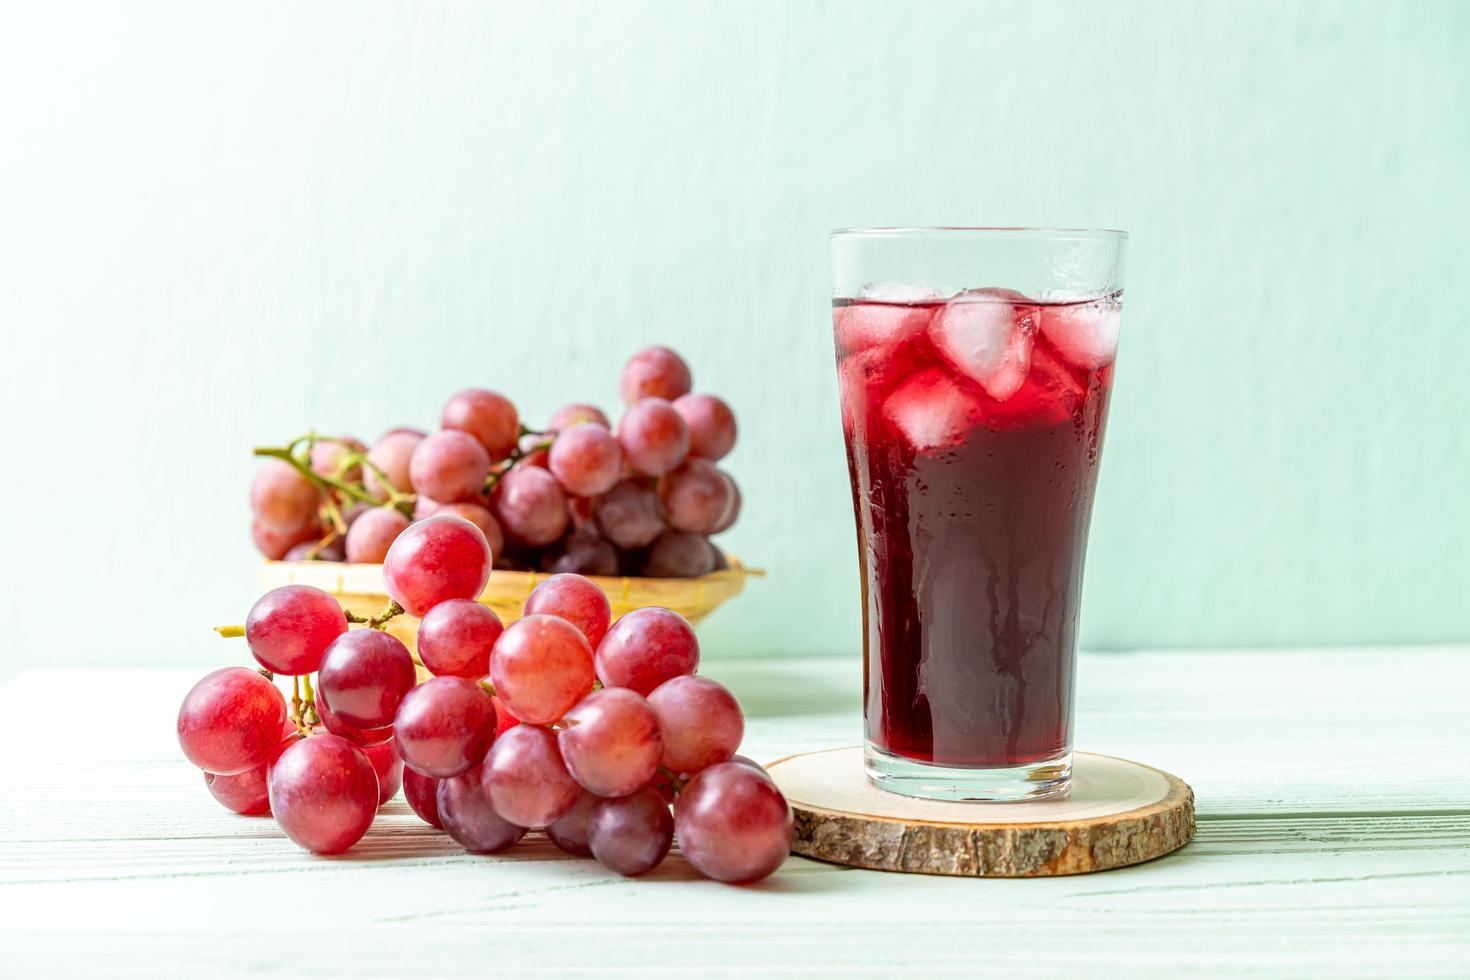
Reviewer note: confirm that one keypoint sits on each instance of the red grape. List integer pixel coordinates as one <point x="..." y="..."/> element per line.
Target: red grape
<point x="534" y="451"/>
<point x="422" y="794"/>
<point x="632" y="834"/>
<point x="630" y="515"/>
<point x="411" y="430"/>
<point x="531" y="506"/>
<point x="444" y="727"/>
<point x="700" y="721"/>
<point x="653" y="436"/>
<point x="745" y="760"/>
<point x="364" y="675"/>
<point x="372" y="534"/>
<point x="645" y="648"/>
<point x="575" y="413"/>
<point x="327" y="456"/>
<point x="392" y="455"/>
<point x="323" y="793"/>
<point x="455" y="637"/>
<point x="525" y="777"/>
<point x="449" y="465"/>
<point x="733" y="823"/>
<point x="275" y="544"/>
<point x="569" y="831"/>
<point x="733" y="511"/>
<point x="586" y="459"/>
<point x="677" y="554"/>
<point x="353" y="733"/>
<point x="282" y="499"/>
<point x="445" y="557"/>
<point x="541" y="666"/>
<point x="468" y="816"/>
<point x="655" y="372"/>
<point x="711" y="425"/>
<point x="231" y="721"/>
<point x="482" y="519"/>
<point x="333" y="550"/>
<point x="611" y="744"/>
<point x="586" y="553"/>
<point x="504" y="720"/>
<point x="577" y="600"/>
<point x="697" y="497"/>
<point x="389" y="768"/>
<point x="486" y="415"/>
<point x="289" y="628"/>
<point x="245" y="792"/>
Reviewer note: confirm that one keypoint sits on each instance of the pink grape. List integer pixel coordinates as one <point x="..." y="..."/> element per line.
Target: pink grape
<point x="275" y="544"/>
<point x="469" y="817"/>
<point x="645" y="648"/>
<point x="372" y="534"/>
<point x="653" y="436"/>
<point x="531" y="506"/>
<point x="630" y="515"/>
<point x="444" y="727"/>
<point x="289" y="628"/>
<point x="733" y="512"/>
<point x="482" y="519"/>
<point x="282" y="499"/>
<point x="569" y="831"/>
<point x="586" y="460"/>
<point x="388" y="766"/>
<point x="456" y="636"/>
<point x="526" y="779"/>
<point x="632" y="834"/>
<point x="700" y="721"/>
<point x="733" y="823"/>
<point x="678" y="554"/>
<point x="445" y="557"/>
<point x="333" y="550"/>
<point x="577" y="600"/>
<point x="245" y="792"/>
<point x="534" y="451"/>
<point x="711" y="425"/>
<point x="363" y="737"/>
<point x="586" y="553"/>
<point x="697" y="497"/>
<point x="364" y="675"/>
<point x="422" y="794"/>
<point x="449" y="466"/>
<point x="575" y="413"/>
<point x="327" y="456"/>
<point x="655" y="372"/>
<point x="611" y="744"/>
<point x="323" y="793"/>
<point x="486" y="415"/>
<point x="231" y="721"/>
<point x="745" y="760"/>
<point x="541" y="666"/>
<point x="392" y="455"/>
<point x="411" y="430"/>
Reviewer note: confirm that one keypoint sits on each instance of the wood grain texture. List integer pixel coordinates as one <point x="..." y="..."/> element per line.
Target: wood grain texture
<point x="1111" y="822"/>
<point x="1347" y="855"/>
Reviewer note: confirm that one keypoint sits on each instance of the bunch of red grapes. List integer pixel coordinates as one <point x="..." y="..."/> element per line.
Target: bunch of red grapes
<point x="564" y="721"/>
<point x="580" y="496"/>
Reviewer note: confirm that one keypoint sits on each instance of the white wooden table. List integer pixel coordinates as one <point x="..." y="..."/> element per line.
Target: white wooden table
<point x="1334" y="838"/>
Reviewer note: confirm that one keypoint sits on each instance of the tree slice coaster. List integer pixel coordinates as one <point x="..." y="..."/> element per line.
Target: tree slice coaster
<point x="1118" y="813"/>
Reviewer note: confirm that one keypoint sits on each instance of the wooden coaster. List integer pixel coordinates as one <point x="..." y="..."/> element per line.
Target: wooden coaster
<point x="1118" y="813"/>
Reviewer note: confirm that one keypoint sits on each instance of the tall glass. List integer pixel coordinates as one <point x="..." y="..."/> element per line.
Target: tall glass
<point x="974" y="366"/>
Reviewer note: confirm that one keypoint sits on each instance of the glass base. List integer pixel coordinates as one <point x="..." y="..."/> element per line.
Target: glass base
<point x="1050" y="779"/>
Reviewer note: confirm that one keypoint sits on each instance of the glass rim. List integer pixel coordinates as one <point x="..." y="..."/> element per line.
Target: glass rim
<point x="997" y="231"/>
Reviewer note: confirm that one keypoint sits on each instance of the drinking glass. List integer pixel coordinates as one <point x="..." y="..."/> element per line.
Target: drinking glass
<point x="974" y="366"/>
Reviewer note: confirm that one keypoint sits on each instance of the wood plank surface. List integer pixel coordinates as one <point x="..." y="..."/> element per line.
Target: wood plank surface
<point x="1333" y="794"/>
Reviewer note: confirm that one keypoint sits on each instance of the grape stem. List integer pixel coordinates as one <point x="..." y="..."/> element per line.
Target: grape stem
<point x="285" y="454"/>
<point x="673" y="778"/>
<point x="487" y="687"/>
<point x="230" y="631"/>
<point x="376" y="622"/>
<point x="309" y="715"/>
<point x="516" y="455"/>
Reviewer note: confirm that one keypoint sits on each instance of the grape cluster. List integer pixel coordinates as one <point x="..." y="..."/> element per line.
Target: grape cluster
<point x="580" y="496"/>
<point x="598" y="732"/>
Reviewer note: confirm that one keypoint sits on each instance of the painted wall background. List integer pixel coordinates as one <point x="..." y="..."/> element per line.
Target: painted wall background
<point x="222" y="224"/>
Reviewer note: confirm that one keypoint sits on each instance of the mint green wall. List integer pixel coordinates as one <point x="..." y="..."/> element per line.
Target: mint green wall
<point x="224" y="224"/>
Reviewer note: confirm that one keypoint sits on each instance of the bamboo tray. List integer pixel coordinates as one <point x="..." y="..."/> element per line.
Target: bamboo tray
<point x="359" y="588"/>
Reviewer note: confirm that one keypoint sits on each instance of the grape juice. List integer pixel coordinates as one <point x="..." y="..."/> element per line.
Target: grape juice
<point x="974" y="426"/>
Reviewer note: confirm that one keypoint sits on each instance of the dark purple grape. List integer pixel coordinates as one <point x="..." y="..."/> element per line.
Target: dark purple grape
<point x="632" y="834"/>
<point x="630" y="515"/>
<point x="569" y="831"/>
<point x="677" y="554"/>
<point x="469" y="817"/>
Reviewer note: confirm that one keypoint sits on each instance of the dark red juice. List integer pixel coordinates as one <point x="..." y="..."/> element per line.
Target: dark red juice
<point x="974" y="427"/>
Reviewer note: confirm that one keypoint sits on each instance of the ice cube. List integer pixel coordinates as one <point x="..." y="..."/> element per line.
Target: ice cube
<point x="899" y="292"/>
<point x="876" y="327"/>
<point x="1085" y="334"/>
<point x="932" y="410"/>
<point x="987" y="336"/>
